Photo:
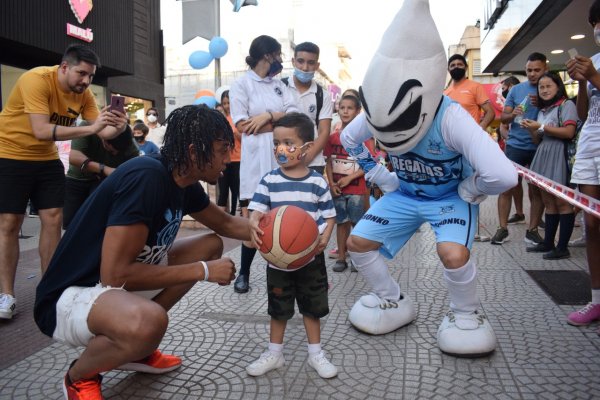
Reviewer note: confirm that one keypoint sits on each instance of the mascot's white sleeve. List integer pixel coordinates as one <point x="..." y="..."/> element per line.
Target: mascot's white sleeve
<point x="353" y="138"/>
<point x="493" y="172"/>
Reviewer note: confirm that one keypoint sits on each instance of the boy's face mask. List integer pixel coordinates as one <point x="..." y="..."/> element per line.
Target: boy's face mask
<point x="285" y="154"/>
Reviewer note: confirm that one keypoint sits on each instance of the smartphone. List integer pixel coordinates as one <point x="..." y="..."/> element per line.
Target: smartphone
<point x="117" y="103"/>
<point x="572" y="53"/>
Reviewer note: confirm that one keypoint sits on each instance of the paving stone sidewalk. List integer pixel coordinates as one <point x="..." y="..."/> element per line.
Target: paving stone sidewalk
<point x="218" y="332"/>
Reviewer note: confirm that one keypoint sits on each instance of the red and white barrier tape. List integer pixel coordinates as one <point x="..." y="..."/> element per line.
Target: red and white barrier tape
<point x="580" y="200"/>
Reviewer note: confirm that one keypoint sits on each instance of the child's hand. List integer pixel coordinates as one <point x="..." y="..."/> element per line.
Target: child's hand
<point x="343" y="182"/>
<point x="335" y="190"/>
<point x="323" y="241"/>
<point x="255" y="232"/>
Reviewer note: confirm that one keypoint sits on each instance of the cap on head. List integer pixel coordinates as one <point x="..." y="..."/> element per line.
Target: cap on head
<point x="405" y="80"/>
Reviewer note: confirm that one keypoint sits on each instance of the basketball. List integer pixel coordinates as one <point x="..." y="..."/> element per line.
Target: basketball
<point x="290" y="237"/>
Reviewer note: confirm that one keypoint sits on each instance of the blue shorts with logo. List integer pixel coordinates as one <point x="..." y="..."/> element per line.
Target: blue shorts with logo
<point x="395" y="217"/>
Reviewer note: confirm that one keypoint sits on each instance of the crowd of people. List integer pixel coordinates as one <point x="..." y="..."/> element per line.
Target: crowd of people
<point x="110" y="279"/>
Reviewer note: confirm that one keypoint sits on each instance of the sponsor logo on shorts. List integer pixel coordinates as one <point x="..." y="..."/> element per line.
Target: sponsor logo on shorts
<point x="376" y="219"/>
<point x="446" y="209"/>
<point x="449" y="221"/>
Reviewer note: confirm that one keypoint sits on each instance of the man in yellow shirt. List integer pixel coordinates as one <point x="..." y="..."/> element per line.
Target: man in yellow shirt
<point x="42" y="108"/>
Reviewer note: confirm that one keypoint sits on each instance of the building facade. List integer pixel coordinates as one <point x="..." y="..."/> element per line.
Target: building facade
<point x="126" y="36"/>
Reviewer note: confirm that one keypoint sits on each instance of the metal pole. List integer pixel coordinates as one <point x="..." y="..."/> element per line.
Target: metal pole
<point x="218" y="60"/>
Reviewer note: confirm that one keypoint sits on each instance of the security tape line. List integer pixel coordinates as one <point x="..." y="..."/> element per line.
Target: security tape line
<point x="580" y="200"/>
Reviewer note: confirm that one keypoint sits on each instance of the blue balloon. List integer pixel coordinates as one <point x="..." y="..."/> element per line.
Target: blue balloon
<point x="217" y="47"/>
<point x="208" y="101"/>
<point x="200" y="59"/>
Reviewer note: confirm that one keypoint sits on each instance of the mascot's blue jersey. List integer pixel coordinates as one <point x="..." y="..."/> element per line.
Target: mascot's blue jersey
<point x="431" y="169"/>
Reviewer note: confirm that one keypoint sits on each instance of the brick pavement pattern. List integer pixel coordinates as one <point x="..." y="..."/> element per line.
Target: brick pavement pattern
<point x="219" y="332"/>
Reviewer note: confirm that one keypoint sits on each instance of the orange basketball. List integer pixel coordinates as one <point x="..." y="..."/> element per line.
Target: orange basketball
<point x="290" y="237"/>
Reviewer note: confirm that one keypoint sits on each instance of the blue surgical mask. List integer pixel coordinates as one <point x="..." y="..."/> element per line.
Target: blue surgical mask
<point x="302" y="76"/>
<point x="275" y="68"/>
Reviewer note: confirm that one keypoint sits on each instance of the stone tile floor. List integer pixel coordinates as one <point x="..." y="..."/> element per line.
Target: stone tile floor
<point x="218" y="332"/>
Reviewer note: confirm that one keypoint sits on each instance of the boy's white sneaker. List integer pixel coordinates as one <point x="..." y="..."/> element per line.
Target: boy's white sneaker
<point x="8" y="304"/>
<point x="266" y="362"/>
<point x="321" y="364"/>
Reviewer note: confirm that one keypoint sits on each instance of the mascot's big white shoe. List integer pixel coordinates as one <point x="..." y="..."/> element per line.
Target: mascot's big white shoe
<point x="376" y="316"/>
<point x="466" y="335"/>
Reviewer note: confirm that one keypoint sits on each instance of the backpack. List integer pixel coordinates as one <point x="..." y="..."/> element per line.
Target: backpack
<point x="319" y="96"/>
<point x="570" y="144"/>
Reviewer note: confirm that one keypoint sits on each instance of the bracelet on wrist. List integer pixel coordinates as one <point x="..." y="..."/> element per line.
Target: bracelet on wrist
<point x="101" y="168"/>
<point x="205" y="270"/>
<point x="54" y="138"/>
<point x="84" y="165"/>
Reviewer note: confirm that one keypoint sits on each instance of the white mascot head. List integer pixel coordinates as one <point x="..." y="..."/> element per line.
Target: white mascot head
<point x="404" y="83"/>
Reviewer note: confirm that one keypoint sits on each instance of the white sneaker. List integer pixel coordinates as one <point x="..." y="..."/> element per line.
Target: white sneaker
<point x="377" y="316"/>
<point x="8" y="304"/>
<point x="466" y="335"/>
<point x="321" y="364"/>
<point x="267" y="361"/>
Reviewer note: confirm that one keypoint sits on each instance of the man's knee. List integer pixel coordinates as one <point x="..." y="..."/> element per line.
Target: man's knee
<point x="358" y="244"/>
<point x="453" y="255"/>
<point x="147" y="323"/>
<point x="10" y="224"/>
<point x="51" y="217"/>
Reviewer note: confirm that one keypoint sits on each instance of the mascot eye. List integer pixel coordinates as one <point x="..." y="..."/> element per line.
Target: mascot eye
<point x="410" y="117"/>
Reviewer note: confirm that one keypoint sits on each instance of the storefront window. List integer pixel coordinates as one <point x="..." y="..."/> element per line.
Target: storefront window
<point x="135" y="107"/>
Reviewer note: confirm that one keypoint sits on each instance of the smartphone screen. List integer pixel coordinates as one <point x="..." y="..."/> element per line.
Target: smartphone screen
<point x="117" y="103"/>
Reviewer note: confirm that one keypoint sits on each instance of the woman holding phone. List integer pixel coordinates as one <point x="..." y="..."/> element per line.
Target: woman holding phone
<point x="257" y="100"/>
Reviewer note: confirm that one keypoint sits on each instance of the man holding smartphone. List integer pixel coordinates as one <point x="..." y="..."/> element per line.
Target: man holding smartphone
<point x="42" y="109"/>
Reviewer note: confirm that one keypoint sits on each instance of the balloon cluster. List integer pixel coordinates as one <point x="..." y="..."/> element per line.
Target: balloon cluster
<point x="217" y="48"/>
<point x="208" y="98"/>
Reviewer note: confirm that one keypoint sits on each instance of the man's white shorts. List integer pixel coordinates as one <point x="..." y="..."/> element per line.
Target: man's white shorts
<point x="586" y="171"/>
<point x="72" y="311"/>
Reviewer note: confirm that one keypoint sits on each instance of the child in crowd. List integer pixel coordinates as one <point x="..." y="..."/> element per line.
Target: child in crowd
<point x="140" y="131"/>
<point x="556" y="124"/>
<point x="294" y="183"/>
<point x="346" y="180"/>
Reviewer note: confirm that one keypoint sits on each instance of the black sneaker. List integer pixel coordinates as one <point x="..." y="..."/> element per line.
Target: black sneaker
<point x="517" y="219"/>
<point x="533" y="237"/>
<point x="557" y="254"/>
<point x="340" y="266"/>
<point x="241" y="284"/>
<point x="500" y="236"/>
<point x="539" y="248"/>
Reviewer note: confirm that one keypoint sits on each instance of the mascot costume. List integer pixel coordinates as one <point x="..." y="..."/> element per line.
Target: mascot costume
<point x="444" y="166"/>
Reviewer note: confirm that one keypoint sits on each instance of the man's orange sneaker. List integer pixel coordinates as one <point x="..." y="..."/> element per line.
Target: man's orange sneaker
<point x="155" y="363"/>
<point x="83" y="389"/>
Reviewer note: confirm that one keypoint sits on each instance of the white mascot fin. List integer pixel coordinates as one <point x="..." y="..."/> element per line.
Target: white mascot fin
<point x="404" y="83"/>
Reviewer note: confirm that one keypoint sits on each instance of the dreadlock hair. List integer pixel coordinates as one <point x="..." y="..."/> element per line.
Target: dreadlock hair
<point x="197" y="125"/>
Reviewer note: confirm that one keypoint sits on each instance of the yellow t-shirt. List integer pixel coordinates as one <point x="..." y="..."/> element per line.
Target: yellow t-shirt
<point x="37" y="92"/>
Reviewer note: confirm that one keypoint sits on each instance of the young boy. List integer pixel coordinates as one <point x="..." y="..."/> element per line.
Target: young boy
<point x="140" y="131"/>
<point x="346" y="179"/>
<point x="294" y="183"/>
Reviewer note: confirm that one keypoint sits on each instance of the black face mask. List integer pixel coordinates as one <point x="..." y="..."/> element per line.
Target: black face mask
<point x="505" y="93"/>
<point x="457" y="73"/>
<point x="139" y="139"/>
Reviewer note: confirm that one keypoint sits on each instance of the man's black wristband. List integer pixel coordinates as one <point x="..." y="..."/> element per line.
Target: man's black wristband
<point x="54" y="138"/>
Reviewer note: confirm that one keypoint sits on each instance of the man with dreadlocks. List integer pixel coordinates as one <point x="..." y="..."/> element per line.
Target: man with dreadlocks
<point x="118" y="269"/>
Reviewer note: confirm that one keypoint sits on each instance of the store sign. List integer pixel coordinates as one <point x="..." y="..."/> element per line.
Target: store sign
<point x="80" y="33"/>
<point x="81" y="9"/>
